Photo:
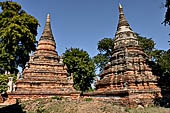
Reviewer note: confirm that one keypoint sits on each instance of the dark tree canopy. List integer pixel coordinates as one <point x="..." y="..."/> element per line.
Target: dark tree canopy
<point x="105" y="47"/>
<point x="81" y="66"/>
<point x="165" y="62"/>
<point x="18" y="32"/>
<point x="161" y="62"/>
<point x="147" y="44"/>
<point x="167" y="14"/>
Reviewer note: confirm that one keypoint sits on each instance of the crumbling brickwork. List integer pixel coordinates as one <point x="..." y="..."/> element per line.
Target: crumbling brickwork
<point x="45" y="74"/>
<point x="127" y="70"/>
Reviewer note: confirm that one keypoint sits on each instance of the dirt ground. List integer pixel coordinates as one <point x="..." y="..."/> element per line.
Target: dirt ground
<point x="60" y="105"/>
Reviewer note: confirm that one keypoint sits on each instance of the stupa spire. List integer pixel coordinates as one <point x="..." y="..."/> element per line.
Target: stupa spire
<point x="47" y="41"/>
<point x="47" y="33"/>
<point x="122" y="19"/>
<point x="120" y="8"/>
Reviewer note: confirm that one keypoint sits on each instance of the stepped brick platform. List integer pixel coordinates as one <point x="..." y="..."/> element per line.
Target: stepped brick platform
<point x="45" y="74"/>
<point x="127" y="76"/>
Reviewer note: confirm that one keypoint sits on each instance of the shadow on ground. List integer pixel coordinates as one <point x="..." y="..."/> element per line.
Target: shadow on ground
<point x="15" y="108"/>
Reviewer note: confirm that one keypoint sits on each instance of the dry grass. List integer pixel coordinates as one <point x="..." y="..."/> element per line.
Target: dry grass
<point x="60" y="105"/>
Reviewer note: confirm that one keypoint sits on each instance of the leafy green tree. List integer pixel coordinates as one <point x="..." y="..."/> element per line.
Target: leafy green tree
<point x="18" y="32"/>
<point x="165" y="62"/>
<point x="167" y="14"/>
<point x="81" y="66"/>
<point x="105" y="47"/>
<point x="162" y="64"/>
<point x="147" y="44"/>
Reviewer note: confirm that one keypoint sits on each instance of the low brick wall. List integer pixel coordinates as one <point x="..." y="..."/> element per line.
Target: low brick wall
<point x="43" y="94"/>
<point x="130" y="98"/>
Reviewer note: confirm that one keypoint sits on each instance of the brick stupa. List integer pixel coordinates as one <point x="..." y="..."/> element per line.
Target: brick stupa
<point x="44" y="74"/>
<point x="127" y="78"/>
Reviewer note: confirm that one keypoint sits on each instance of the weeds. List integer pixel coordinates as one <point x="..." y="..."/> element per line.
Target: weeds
<point x="88" y="99"/>
<point x="57" y="97"/>
<point x="40" y="110"/>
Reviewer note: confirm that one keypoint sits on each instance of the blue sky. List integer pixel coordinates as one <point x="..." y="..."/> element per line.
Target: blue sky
<point x="82" y="23"/>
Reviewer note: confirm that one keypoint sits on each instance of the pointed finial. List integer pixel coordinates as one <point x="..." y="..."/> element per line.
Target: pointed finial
<point x="48" y="18"/>
<point x="120" y="8"/>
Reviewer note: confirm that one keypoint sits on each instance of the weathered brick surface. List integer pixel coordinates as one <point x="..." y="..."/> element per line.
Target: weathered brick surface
<point x="128" y="69"/>
<point x="45" y="74"/>
<point x="129" y="97"/>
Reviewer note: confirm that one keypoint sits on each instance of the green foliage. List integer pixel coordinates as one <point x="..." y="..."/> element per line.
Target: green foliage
<point x="105" y="47"/>
<point x="147" y="44"/>
<point x="167" y="15"/>
<point x="162" y="64"/>
<point x="81" y="66"/>
<point x="88" y="99"/>
<point x="40" y="110"/>
<point x="57" y="97"/>
<point x="18" y="32"/>
<point x="4" y="82"/>
<point x="100" y="60"/>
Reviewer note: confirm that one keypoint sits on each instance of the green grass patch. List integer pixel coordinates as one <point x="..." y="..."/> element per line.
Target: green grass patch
<point x="88" y="99"/>
<point x="57" y="97"/>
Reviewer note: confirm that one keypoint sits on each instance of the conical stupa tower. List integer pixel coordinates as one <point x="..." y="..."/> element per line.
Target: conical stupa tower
<point x="44" y="74"/>
<point x="128" y="68"/>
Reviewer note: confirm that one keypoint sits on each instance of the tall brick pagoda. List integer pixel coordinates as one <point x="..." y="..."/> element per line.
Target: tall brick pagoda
<point x="127" y="77"/>
<point x="128" y="67"/>
<point x="44" y="74"/>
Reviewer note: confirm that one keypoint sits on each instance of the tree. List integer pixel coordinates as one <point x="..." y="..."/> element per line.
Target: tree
<point x="167" y="14"/>
<point x="147" y="44"/>
<point x="105" y="47"/>
<point x="165" y="62"/>
<point x="18" y="32"/>
<point x="162" y="64"/>
<point x="81" y="66"/>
